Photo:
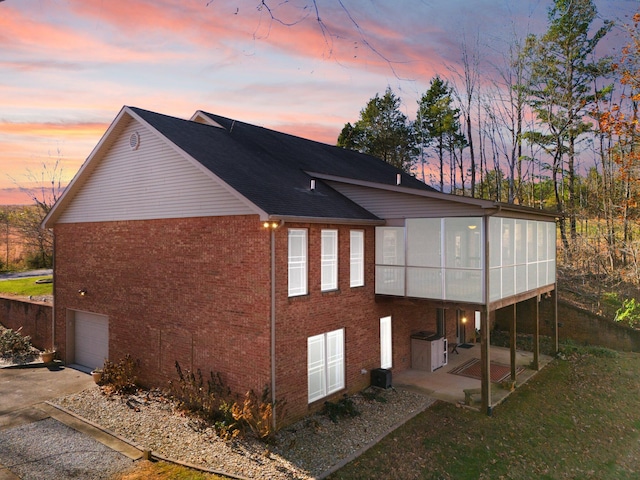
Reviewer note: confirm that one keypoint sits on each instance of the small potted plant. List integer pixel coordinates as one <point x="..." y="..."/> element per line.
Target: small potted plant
<point x="97" y="375"/>
<point x="47" y="355"/>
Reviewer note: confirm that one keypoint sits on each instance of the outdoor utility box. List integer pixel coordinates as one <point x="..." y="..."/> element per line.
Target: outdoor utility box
<point x="381" y="377"/>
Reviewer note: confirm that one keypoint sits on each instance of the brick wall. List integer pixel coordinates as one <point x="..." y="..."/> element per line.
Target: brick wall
<point x="575" y="324"/>
<point x="191" y="290"/>
<point x="198" y="291"/>
<point x="33" y="317"/>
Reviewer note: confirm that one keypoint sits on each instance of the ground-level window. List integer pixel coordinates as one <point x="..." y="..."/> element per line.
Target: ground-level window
<point x="329" y="259"/>
<point x="297" y="262"/>
<point x="325" y="364"/>
<point x="357" y="258"/>
<point x="386" y="352"/>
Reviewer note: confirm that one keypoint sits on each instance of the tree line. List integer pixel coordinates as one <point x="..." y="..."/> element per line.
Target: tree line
<point x="555" y="127"/>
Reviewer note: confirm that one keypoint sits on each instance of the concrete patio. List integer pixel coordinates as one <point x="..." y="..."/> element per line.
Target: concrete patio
<point x="448" y="387"/>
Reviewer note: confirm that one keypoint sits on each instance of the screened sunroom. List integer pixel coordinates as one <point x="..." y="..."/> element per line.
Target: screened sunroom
<point x="446" y="258"/>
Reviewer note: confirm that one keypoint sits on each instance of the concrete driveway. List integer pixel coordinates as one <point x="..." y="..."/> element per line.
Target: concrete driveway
<point x="40" y="441"/>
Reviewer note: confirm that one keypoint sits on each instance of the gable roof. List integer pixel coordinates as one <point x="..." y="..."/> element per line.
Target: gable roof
<point x="271" y="170"/>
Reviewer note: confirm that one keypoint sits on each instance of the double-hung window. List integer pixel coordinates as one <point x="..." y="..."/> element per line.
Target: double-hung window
<point x="329" y="259"/>
<point x="325" y="364"/>
<point x="357" y="258"/>
<point x="297" y="262"/>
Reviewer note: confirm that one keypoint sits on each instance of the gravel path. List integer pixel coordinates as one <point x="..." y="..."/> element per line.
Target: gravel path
<point x="34" y="452"/>
<point x="307" y="449"/>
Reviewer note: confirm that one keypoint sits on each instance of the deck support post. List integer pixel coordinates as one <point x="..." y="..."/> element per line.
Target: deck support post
<point x="536" y="332"/>
<point x="554" y="319"/>
<point x="485" y="381"/>
<point x="512" y="342"/>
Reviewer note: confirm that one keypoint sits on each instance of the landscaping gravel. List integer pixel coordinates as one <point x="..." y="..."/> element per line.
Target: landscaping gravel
<point x="50" y="449"/>
<point x="310" y="448"/>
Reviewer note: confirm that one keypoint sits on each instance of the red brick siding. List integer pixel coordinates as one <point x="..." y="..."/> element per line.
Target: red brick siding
<point x="193" y="290"/>
<point x="198" y="291"/>
<point x="33" y="317"/>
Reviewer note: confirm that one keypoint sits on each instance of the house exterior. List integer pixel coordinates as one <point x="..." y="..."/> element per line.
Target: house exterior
<point x="274" y="260"/>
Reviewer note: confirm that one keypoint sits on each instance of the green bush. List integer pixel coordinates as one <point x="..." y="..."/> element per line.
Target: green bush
<point x="341" y="409"/>
<point x="629" y="313"/>
<point x="13" y="343"/>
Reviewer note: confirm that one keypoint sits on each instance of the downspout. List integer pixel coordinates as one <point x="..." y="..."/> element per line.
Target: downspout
<point x="53" y="303"/>
<point x="273" y="326"/>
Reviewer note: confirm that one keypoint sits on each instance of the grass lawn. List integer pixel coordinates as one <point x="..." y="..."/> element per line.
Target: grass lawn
<point x="26" y="287"/>
<point x="578" y="418"/>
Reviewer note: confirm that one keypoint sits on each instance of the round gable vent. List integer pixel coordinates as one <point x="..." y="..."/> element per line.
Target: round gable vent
<point x="134" y="141"/>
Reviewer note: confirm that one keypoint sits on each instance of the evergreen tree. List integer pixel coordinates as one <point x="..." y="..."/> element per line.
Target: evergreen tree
<point x="382" y="131"/>
<point x="437" y="122"/>
<point x="561" y="92"/>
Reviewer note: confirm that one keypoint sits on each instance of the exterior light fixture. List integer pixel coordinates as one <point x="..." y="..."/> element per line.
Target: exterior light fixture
<point x="464" y="319"/>
<point x="82" y="292"/>
<point x="266" y="224"/>
<point x="271" y="225"/>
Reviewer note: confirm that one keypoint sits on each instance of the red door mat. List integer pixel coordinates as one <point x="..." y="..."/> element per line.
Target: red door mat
<point x="473" y="369"/>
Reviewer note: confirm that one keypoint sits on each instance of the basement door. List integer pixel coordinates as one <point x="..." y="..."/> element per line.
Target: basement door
<point x="91" y="339"/>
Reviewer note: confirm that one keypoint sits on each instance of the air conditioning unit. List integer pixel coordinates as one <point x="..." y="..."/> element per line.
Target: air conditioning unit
<point x="381" y="377"/>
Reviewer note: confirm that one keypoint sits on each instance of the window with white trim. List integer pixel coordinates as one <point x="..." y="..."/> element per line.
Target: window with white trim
<point x="329" y="259"/>
<point x="386" y="344"/>
<point x="356" y="248"/>
<point x="297" y="262"/>
<point x="325" y="364"/>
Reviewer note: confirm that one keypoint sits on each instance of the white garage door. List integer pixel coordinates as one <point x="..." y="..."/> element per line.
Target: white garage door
<point x="91" y="339"/>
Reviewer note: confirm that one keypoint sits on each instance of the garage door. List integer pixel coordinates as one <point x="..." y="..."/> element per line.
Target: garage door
<point x="91" y="339"/>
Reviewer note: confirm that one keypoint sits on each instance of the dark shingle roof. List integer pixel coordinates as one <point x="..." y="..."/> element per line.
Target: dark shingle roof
<point x="269" y="168"/>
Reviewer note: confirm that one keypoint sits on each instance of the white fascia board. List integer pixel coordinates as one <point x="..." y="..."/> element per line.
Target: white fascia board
<point x="232" y="191"/>
<point x="448" y="197"/>
<point x="202" y="117"/>
<point x="85" y="169"/>
<point x="107" y="139"/>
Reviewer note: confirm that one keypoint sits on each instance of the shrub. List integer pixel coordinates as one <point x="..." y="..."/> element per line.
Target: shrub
<point x="119" y="377"/>
<point x="257" y="414"/>
<point x="340" y="409"/>
<point x="213" y="403"/>
<point x="629" y="313"/>
<point x="210" y="401"/>
<point x="569" y="347"/>
<point x="13" y="343"/>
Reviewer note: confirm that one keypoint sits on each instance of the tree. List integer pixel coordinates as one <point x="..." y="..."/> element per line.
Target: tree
<point x="382" y="131"/>
<point x="437" y="122"/>
<point x="561" y="91"/>
<point x="45" y="190"/>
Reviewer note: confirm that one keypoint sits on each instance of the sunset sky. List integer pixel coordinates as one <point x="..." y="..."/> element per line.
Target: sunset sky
<point x="68" y="66"/>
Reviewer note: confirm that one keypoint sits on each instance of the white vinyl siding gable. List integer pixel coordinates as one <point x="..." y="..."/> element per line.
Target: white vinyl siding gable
<point x="356" y="257"/>
<point x="325" y="364"/>
<point x="329" y="260"/>
<point x="150" y="182"/>
<point x="297" y="261"/>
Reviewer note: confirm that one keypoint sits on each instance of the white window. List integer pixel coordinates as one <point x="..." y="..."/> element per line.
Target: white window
<point x="386" y="353"/>
<point x="297" y="262"/>
<point x="325" y="364"/>
<point x="329" y="259"/>
<point x="357" y="258"/>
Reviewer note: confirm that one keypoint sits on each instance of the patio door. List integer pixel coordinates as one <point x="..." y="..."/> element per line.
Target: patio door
<point x="461" y="321"/>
